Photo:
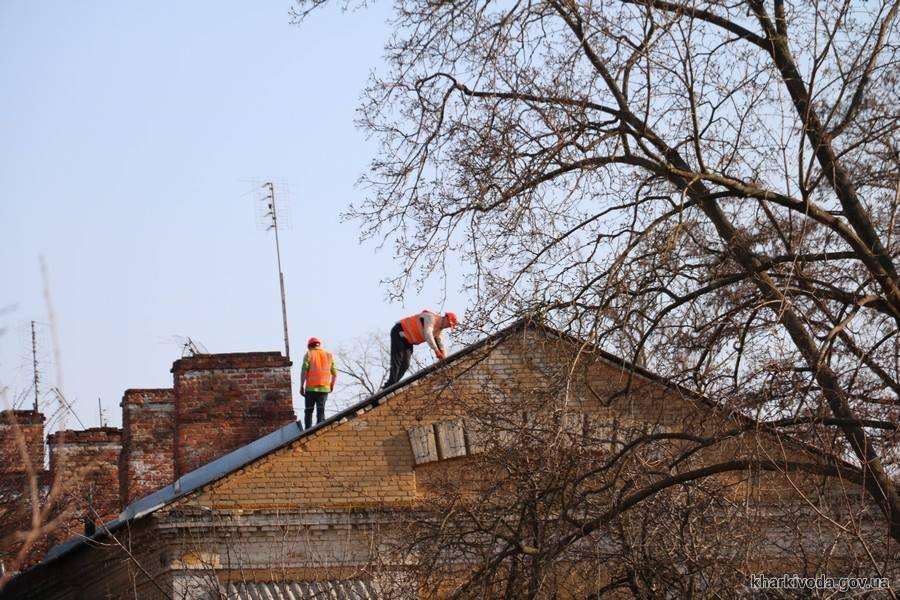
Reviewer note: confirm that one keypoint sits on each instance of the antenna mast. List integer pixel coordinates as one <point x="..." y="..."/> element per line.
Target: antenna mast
<point x="273" y="213"/>
<point x="35" y="366"/>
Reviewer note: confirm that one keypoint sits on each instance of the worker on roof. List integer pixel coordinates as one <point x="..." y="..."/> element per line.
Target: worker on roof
<point x="411" y="331"/>
<point x="316" y="379"/>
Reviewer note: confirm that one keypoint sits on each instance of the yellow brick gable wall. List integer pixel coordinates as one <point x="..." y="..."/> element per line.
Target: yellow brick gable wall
<point x="358" y="463"/>
<point x="367" y="461"/>
<point x="363" y="462"/>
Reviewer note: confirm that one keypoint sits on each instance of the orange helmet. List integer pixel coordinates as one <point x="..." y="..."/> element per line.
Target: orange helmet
<point x="451" y="319"/>
<point x="312" y="341"/>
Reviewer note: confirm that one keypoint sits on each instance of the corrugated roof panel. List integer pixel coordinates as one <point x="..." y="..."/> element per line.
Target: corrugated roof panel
<point x="343" y="589"/>
<point x="257" y="591"/>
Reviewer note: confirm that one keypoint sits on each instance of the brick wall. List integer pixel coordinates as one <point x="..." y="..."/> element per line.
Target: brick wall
<point x="147" y="461"/>
<point x="31" y="427"/>
<point x="224" y="401"/>
<point x="102" y="572"/>
<point x="16" y="489"/>
<point x="86" y="465"/>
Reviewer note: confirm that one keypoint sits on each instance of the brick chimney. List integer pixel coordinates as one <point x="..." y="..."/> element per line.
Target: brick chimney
<point x="147" y="461"/>
<point x="31" y="426"/>
<point x="224" y="401"/>
<point x="86" y="463"/>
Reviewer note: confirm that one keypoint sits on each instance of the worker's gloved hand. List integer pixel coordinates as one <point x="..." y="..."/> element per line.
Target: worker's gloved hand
<point x="303" y="393"/>
<point x="439" y="354"/>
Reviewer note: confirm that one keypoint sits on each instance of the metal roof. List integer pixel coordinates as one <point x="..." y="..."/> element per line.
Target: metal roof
<point x="345" y="589"/>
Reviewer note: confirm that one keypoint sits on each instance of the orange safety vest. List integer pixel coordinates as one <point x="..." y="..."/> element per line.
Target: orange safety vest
<point x="412" y="327"/>
<point x="319" y="372"/>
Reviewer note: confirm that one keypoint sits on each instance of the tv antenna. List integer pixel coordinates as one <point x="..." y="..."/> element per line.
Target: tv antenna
<point x="66" y="406"/>
<point x="101" y="412"/>
<point x="34" y="362"/>
<point x="191" y="347"/>
<point x="270" y="218"/>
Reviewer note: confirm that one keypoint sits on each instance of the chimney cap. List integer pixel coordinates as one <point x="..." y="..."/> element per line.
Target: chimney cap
<point x="231" y="360"/>
<point x="22" y="417"/>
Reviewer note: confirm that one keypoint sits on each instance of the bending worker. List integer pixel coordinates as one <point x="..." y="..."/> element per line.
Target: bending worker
<point x="316" y="379"/>
<point x="411" y="331"/>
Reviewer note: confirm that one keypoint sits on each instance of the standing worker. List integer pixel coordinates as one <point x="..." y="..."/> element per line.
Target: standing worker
<point x="316" y="379"/>
<point x="406" y="333"/>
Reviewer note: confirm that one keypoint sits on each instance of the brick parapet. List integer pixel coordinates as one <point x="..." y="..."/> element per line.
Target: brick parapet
<point x="225" y="401"/>
<point x="16" y="491"/>
<point x="86" y="464"/>
<point x="85" y="437"/>
<point x="30" y="424"/>
<point x="147" y="460"/>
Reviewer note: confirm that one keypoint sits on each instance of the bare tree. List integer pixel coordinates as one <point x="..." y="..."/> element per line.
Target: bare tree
<point x="710" y="187"/>
<point x="562" y="498"/>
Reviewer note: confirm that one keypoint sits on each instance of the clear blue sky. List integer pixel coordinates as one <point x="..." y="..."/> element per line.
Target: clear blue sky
<point x="130" y="135"/>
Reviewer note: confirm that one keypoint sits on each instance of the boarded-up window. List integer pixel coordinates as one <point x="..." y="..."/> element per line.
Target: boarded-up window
<point x="451" y="440"/>
<point x="424" y="449"/>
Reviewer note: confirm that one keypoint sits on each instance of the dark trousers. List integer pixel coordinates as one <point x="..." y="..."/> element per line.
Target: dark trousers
<point x="401" y="354"/>
<point x="315" y="400"/>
